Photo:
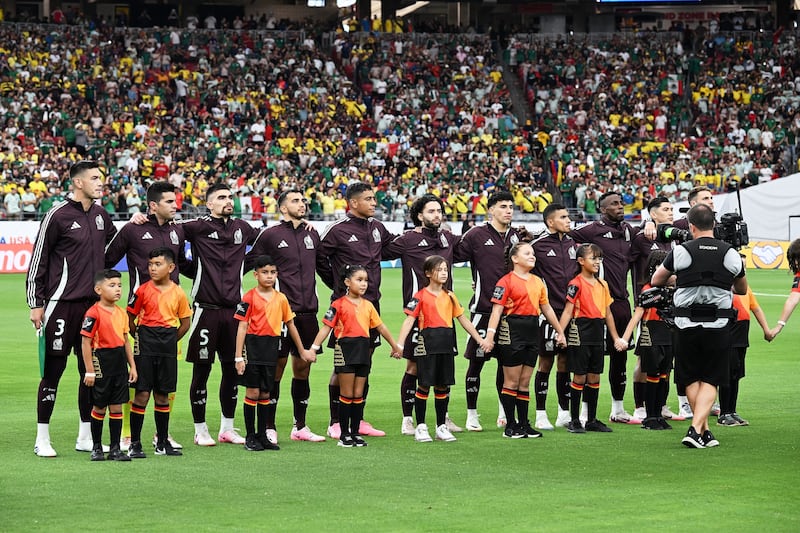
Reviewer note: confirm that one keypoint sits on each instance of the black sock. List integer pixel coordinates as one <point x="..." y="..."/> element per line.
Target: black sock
<point x="408" y="386"/>
<point x="563" y="389"/>
<point x="617" y="374"/>
<point x="540" y="387"/>
<point x="198" y="392"/>
<point x="575" y="400"/>
<point x="301" y="391"/>
<point x="591" y="392"/>
<point x="345" y="410"/>
<point x="228" y="390"/>
<point x="680" y="389"/>
<point x="249" y="412"/>
<point x="137" y="421"/>
<point x="473" y="382"/>
<point x="441" y="401"/>
<point x="333" y="400"/>
<point x="734" y="388"/>
<point x="115" y="428"/>
<point x="161" y="417"/>
<point x="97" y="427"/>
<point x="274" y="395"/>
<point x="499" y="378"/>
<point x="261" y="417"/>
<point x="663" y="390"/>
<point x="638" y="394"/>
<point x="356" y="415"/>
<point x="651" y="401"/>
<point x="523" y="403"/>
<point x="421" y="404"/>
<point x="508" y="398"/>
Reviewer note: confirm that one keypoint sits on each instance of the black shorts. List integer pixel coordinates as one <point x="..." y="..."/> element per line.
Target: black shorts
<point x="737" y="362"/>
<point x="307" y="326"/>
<point x="261" y="349"/>
<point x="352" y="356"/>
<point x="702" y="354"/>
<point x="213" y="333"/>
<point x="656" y="359"/>
<point x="481" y="322"/>
<point x="110" y="390"/>
<point x="621" y="311"/>
<point x="156" y="342"/>
<point x="435" y="370"/>
<point x="62" y="327"/>
<point x="586" y="359"/>
<point x="261" y="377"/>
<point x="374" y="339"/>
<point x="157" y="374"/>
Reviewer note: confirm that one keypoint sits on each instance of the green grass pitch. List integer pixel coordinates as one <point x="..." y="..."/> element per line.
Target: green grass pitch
<point x="626" y="480"/>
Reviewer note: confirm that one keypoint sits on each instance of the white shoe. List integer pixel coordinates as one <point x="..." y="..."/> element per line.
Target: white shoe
<point x="304" y="433"/>
<point x="272" y="436"/>
<point x="421" y="434"/>
<point x="175" y="444"/>
<point x="232" y="436"/>
<point x="620" y="417"/>
<point x="715" y="409"/>
<point x="451" y="426"/>
<point x="639" y="414"/>
<point x="44" y="449"/>
<point x="473" y="422"/>
<point x="669" y="415"/>
<point x="563" y="419"/>
<point x="443" y="433"/>
<point x="502" y="421"/>
<point x="542" y="422"/>
<point x="686" y="411"/>
<point x="407" y="427"/>
<point x="86" y="445"/>
<point x="203" y="438"/>
<point x="584" y="414"/>
<point x="125" y="444"/>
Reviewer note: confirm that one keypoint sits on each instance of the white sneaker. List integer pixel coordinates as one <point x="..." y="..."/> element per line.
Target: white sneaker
<point x="175" y="444"/>
<point x="272" y="436"/>
<point x="44" y="449"/>
<point x="407" y="427"/>
<point x="502" y="421"/>
<point x="639" y="414"/>
<point x="621" y="417"/>
<point x="542" y="422"/>
<point x="232" y="436"/>
<point x="86" y="445"/>
<point x="715" y="409"/>
<point x="421" y="434"/>
<point x="451" y="426"/>
<point x="686" y="411"/>
<point x="563" y="419"/>
<point x="473" y="422"/>
<point x="125" y="444"/>
<point x="669" y="415"/>
<point x="443" y="433"/>
<point x="203" y="438"/>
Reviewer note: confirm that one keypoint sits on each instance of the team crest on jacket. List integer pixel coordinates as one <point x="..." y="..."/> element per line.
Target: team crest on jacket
<point x="237" y="237"/>
<point x="376" y="235"/>
<point x="443" y="240"/>
<point x="514" y="239"/>
<point x="100" y="223"/>
<point x="572" y="254"/>
<point x="173" y="238"/>
<point x="308" y="242"/>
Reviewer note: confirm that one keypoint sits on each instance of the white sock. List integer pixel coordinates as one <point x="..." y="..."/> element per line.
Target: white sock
<point x="560" y="410"/>
<point x="225" y="424"/>
<point x="472" y="412"/>
<point x="200" y="428"/>
<point x="501" y="413"/>
<point x="42" y="432"/>
<point x="584" y="411"/>
<point x="85" y="431"/>
<point x="617" y="406"/>
<point x="683" y="400"/>
<point x="406" y="418"/>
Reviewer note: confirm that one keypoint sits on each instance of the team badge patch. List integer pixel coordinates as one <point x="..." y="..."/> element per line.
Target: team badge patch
<point x="88" y="324"/>
<point x="514" y="239"/>
<point x="443" y="241"/>
<point x="498" y="293"/>
<point x="412" y="304"/>
<point x="376" y="235"/>
<point x="237" y="237"/>
<point x="100" y="223"/>
<point x="572" y="291"/>
<point x="572" y="254"/>
<point x="308" y="242"/>
<point x="241" y="309"/>
<point x="330" y="314"/>
<point x="173" y="238"/>
<point x="796" y="282"/>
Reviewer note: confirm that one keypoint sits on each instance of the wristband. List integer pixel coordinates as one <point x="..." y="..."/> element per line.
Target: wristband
<point x="315" y="347"/>
<point x="491" y="329"/>
<point x="239" y="360"/>
<point x="781" y="323"/>
<point x="90" y="375"/>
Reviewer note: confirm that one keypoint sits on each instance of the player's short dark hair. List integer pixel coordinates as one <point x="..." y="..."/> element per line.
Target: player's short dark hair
<point x="550" y="210"/>
<point x="285" y="194"/>
<point x="656" y="202"/>
<point x="419" y="204"/>
<point x="694" y="192"/>
<point x="701" y="216"/>
<point x="606" y="195"/>
<point x="156" y="191"/>
<point x="219" y="186"/>
<point x="162" y="251"/>
<point x="354" y="189"/>
<point x="82" y="166"/>
<point x="499" y="196"/>
<point x="263" y="260"/>
<point x="793" y="256"/>
<point x="108" y="273"/>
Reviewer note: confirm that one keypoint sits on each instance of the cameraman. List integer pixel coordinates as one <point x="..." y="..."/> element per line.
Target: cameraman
<point x="706" y="269"/>
<point x="699" y="195"/>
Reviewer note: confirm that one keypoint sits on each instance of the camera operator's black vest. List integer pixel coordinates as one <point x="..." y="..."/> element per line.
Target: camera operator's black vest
<point x="707" y="268"/>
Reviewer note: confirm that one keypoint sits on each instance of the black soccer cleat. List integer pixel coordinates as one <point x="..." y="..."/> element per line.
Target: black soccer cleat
<point x="136" y="452"/>
<point x="97" y="453"/>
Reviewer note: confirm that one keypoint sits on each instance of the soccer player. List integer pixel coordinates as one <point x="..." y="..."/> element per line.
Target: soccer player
<point x="413" y="248"/>
<point x="218" y="248"/>
<point x="262" y="314"/>
<point x="555" y="264"/>
<point x="108" y="358"/>
<point x="67" y="252"/>
<point x="135" y="242"/>
<point x="484" y="247"/>
<point x="159" y="318"/>
<point x="432" y="310"/>
<point x="294" y="246"/>
<point x="356" y="239"/>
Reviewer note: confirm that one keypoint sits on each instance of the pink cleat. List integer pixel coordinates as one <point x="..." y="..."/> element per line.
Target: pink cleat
<point x="335" y="431"/>
<point x="231" y="436"/>
<point x="366" y="429"/>
<point x="306" y="434"/>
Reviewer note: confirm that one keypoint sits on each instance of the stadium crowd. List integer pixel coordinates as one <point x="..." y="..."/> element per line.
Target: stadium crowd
<point x="273" y="109"/>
